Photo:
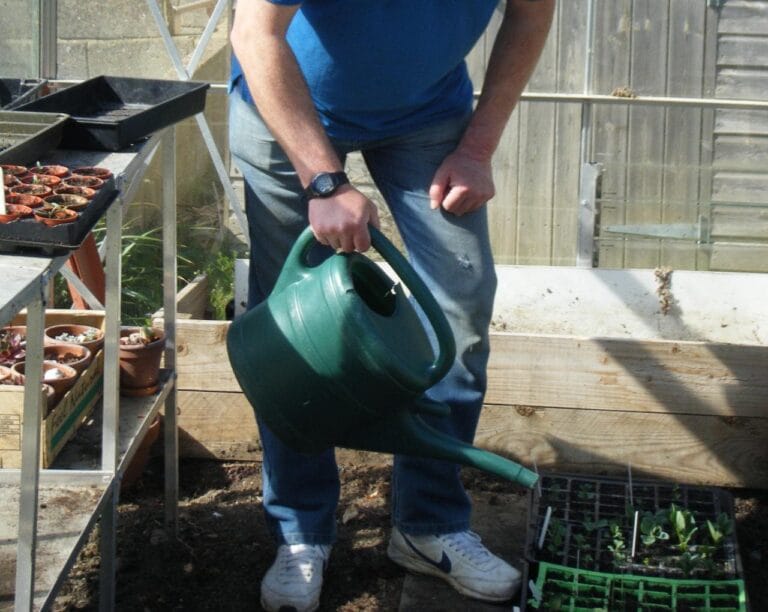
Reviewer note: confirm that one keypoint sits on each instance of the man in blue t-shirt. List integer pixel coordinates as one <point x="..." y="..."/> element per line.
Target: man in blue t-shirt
<point x="313" y="81"/>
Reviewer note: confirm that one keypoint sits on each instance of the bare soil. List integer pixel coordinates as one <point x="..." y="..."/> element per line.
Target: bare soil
<point x="223" y="547"/>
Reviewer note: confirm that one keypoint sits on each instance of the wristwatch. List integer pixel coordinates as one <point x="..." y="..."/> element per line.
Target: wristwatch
<point x="324" y="184"/>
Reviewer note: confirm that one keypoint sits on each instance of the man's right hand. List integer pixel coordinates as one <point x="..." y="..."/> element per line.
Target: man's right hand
<point x="341" y="220"/>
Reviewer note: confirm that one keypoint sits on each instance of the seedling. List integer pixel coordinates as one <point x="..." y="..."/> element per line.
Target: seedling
<point x="652" y="529"/>
<point x="684" y="525"/>
<point x="720" y="529"/>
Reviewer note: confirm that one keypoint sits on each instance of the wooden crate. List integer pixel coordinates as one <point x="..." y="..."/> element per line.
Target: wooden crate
<point x="63" y="420"/>
<point x="588" y="373"/>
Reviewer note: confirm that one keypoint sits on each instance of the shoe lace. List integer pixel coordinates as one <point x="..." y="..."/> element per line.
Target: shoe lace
<point x="468" y="545"/>
<point x="299" y="562"/>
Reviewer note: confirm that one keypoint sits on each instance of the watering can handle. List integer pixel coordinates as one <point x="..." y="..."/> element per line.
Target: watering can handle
<point x="445" y="342"/>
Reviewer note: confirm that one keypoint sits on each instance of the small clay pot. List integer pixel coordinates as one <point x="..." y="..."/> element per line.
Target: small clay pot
<point x="68" y="200"/>
<point x="79" y="180"/>
<point x="9" y="216"/>
<point x="14" y="170"/>
<point x="24" y="199"/>
<point x="86" y="192"/>
<point x="9" y="180"/>
<point x="36" y="189"/>
<point x="102" y="173"/>
<point x="75" y="331"/>
<point x="49" y="180"/>
<point x="50" y="216"/>
<point x="75" y="356"/>
<point x="59" y="376"/>
<point x="51" y="169"/>
<point x="6" y="375"/>
<point x="140" y="364"/>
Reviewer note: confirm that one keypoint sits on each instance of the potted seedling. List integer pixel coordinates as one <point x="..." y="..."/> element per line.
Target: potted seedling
<point x="13" y="345"/>
<point x="74" y="333"/>
<point x="140" y="352"/>
<point x="54" y="214"/>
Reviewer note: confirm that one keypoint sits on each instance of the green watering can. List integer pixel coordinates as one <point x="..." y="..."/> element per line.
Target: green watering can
<point x="338" y="356"/>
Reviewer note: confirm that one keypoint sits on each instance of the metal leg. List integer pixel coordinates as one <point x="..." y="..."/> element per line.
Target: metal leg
<point x="169" y="315"/>
<point x="111" y="402"/>
<point x="30" y="457"/>
<point x="588" y="215"/>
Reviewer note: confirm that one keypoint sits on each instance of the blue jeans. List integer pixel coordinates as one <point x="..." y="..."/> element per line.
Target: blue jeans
<point x="451" y="254"/>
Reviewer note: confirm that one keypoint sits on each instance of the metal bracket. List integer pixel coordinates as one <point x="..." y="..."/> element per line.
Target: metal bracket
<point x="588" y="215"/>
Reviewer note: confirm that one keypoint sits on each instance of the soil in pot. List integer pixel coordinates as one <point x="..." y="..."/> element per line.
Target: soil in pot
<point x="68" y="200"/>
<point x="85" y="192"/>
<point x="140" y="353"/>
<point x="59" y="376"/>
<point x="14" y="170"/>
<point x="75" y="356"/>
<point x="54" y="215"/>
<point x="72" y="333"/>
<point x="36" y="189"/>
<point x="102" y="173"/>
<point x="24" y="199"/>
<point x="49" y="180"/>
<point x="94" y="182"/>
<point x="56" y="170"/>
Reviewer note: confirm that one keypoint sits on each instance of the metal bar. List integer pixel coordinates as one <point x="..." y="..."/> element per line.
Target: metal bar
<point x="205" y="38"/>
<point x="165" y="34"/>
<point x="587" y="215"/>
<point x="192" y="6"/>
<point x="30" y="455"/>
<point x="586" y="109"/>
<point x="47" y="54"/>
<point x="171" y="436"/>
<point x="218" y="163"/>
<point x="576" y="98"/>
<point x="111" y="402"/>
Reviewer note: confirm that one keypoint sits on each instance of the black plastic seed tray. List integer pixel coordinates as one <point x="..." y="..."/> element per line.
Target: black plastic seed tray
<point x="31" y="235"/>
<point x="15" y="92"/>
<point x="110" y="113"/>
<point x="25" y="137"/>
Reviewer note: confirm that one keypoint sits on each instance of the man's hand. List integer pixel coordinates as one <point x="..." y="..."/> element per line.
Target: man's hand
<point x="462" y="184"/>
<point x="341" y="221"/>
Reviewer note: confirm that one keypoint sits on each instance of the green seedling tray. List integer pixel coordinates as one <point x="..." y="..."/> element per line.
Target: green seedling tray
<point x="577" y="503"/>
<point x="564" y="588"/>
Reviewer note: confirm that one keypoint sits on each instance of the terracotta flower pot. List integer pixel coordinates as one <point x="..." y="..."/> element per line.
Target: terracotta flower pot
<point x="86" y="192"/>
<point x="9" y="180"/>
<point x="9" y="216"/>
<point x="75" y="356"/>
<point x="18" y="379"/>
<point x="14" y="170"/>
<point x="24" y="199"/>
<point x="68" y="200"/>
<point x="59" y="376"/>
<point x="6" y="375"/>
<point x="54" y="216"/>
<point x="70" y="333"/>
<point x="49" y="180"/>
<point x="140" y="363"/>
<point x="78" y="180"/>
<point x="35" y="189"/>
<point x="12" y="344"/>
<point x="51" y="169"/>
<point x="102" y="173"/>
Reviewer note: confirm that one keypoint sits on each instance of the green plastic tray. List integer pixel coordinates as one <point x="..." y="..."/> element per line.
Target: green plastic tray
<point x="564" y="588"/>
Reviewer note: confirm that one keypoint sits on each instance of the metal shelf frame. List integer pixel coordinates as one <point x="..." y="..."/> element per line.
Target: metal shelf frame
<point x="26" y="279"/>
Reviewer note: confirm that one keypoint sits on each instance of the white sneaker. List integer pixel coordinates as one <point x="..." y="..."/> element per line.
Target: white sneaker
<point x="295" y="580"/>
<point x="458" y="558"/>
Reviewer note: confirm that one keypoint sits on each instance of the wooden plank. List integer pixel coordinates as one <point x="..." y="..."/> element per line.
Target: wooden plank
<point x="629" y="375"/>
<point x="217" y="425"/>
<point x="684" y="448"/>
<point x="751" y="257"/>
<point x="740" y="222"/>
<point x="709" y="450"/>
<point x="743" y="50"/>
<point x="732" y="186"/>
<point x="191" y="301"/>
<point x="744" y="122"/>
<point x="739" y="154"/>
<point x="203" y="362"/>
<point x="744" y="17"/>
<point x="742" y="83"/>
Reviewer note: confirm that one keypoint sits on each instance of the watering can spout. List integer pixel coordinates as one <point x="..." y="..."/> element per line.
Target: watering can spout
<point x="405" y="432"/>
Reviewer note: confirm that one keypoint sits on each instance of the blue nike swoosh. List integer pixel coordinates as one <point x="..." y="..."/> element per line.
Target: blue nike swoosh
<point x="444" y="565"/>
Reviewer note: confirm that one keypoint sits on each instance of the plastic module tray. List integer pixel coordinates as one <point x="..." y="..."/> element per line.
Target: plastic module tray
<point x="25" y="137"/>
<point x="29" y="234"/>
<point x="110" y="113"/>
<point x="15" y="92"/>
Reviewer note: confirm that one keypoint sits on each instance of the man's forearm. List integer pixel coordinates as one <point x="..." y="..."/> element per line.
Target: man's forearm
<point x="516" y="51"/>
<point x="278" y="87"/>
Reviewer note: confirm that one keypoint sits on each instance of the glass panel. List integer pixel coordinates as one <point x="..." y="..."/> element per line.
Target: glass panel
<point x="19" y="38"/>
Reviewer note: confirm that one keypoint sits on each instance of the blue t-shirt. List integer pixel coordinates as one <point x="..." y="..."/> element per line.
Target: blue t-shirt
<point x="379" y="68"/>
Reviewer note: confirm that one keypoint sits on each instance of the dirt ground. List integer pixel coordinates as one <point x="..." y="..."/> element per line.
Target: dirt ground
<point x="223" y="547"/>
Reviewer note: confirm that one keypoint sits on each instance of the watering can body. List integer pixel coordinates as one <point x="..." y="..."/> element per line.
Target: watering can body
<point x="337" y="355"/>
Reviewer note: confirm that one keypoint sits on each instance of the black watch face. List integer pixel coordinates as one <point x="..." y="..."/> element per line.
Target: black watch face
<point x="324" y="184"/>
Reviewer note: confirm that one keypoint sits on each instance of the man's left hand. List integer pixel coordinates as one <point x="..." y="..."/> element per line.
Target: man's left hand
<point x="461" y="184"/>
